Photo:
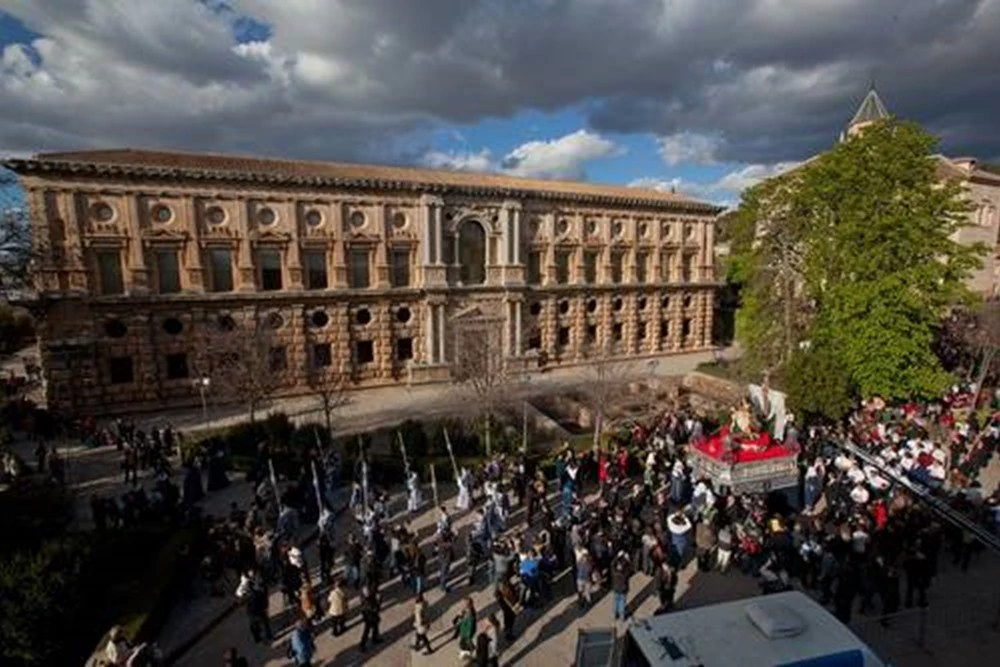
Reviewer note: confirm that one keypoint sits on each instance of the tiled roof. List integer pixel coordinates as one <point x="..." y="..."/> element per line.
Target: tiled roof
<point x="163" y="164"/>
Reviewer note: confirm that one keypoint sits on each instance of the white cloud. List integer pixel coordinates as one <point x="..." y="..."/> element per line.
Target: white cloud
<point x="725" y="190"/>
<point x="561" y="158"/>
<point x="689" y="147"/>
<point x="461" y="161"/>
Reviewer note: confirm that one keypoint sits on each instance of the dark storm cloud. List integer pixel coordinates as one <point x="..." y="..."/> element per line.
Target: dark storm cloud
<point x="776" y="79"/>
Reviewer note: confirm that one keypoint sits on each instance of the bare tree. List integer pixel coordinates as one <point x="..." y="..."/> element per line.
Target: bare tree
<point x="331" y="387"/>
<point x="243" y="362"/>
<point x="16" y="251"/>
<point x="479" y="365"/>
<point x="606" y="376"/>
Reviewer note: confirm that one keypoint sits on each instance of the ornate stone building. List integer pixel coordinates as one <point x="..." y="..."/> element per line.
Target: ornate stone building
<point x="362" y="271"/>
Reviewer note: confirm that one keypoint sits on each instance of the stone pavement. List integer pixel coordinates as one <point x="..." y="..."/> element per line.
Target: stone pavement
<point x="543" y="634"/>
<point x="549" y="635"/>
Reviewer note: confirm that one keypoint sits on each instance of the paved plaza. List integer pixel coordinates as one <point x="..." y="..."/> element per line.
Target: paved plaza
<point x="963" y="605"/>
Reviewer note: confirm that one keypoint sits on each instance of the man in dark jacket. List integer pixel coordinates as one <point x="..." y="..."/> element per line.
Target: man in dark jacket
<point x="370" y="616"/>
<point x="620" y="574"/>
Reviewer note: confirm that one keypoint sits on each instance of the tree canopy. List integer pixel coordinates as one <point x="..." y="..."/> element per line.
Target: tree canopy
<point x="853" y="255"/>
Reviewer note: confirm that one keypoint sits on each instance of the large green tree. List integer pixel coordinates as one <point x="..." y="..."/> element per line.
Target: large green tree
<point x="856" y="249"/>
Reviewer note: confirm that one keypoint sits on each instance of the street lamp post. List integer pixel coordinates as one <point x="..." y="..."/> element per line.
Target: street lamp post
<point x="202" y="384"/>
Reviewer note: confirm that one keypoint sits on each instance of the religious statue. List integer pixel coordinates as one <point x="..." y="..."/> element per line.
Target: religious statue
<point x="741" y="419"/>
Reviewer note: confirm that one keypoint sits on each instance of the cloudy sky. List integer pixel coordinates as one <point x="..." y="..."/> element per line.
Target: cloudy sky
<point x="706" y="96"/>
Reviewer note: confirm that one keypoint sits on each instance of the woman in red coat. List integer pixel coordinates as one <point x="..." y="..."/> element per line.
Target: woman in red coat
<point x="602" y="469"/>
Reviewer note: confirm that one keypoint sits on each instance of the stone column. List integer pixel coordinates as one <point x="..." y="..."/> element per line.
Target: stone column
<point x="517" y="329"/>
<point x="441" y="334"/>
<point x="381" y="250"/>
<point x="245" y="278"/>
<point x="430" y="353"/>
<point x="137" y="274"/>
<point x="339" y="277"/>
<point x="294" y="253"/>
<point x="709" y="243"/>
<point x="437" y="215"/>
<point x="517" y="234"/>
<point x="508" y="328"/>
<point x="430" y="241"/>
<point x="194" y="278"/>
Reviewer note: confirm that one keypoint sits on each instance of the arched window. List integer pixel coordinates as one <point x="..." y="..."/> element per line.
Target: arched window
<point x="472" y="253"/>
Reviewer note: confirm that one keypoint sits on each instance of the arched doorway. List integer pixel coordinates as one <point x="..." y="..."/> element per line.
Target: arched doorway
<point x="472" y="253"/>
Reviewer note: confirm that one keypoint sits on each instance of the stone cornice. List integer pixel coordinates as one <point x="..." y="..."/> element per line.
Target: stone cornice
<point x="76" y="169"/>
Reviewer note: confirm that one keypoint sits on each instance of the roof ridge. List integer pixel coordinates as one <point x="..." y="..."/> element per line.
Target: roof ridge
<point x="242" y="166"/>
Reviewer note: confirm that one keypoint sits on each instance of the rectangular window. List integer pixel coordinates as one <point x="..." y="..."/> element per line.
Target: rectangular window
<point x="641" y="265"/>
<point x="401" y="267"/>
<point x="534" y="267"/>
<point x="535" y="341"/>
<point x="686" y="328"/>
<point x="321" y="357"/>
<point x="664" y="267"/>
<point x="562" y="266"/>
<point x="121" y="370"/>
<point x="685" y="270"/>
<point x="617" y="261"/>
<point x="364" y="351"/>
<point x="563" y="339"/>
<point x="315" y="263"/>
<point x="168" y="276"/>
<point x="641" y="330"/>
<point x="404" y="349"/>
<point x="177" y="366"/>
<point x="590" y="259"/>
<point x="359" y="268"/>
<point x="591" y="334"/>
<point x="616" y="331"/>
<point x="665" y="329"/>
<point x="220" y="266"/>
<point x="277" y="358"/>
<point x="269" y="265"/>
<point x="109" y="268"/>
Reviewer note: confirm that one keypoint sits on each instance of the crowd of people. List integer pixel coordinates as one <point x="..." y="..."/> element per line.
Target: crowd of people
<point x="850" y="533"/>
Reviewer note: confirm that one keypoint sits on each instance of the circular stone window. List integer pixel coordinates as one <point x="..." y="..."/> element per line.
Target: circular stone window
<point x="564" y="306"/>
<point x="226" y="323"/>
<point x="643" y="229"/>
<point x="665" y="302"/>
<point x="617" y="303"/>
<point x="592" y="227"/>
<point x="115" y="328"/>
<point x="363" y="316"/>
<point x="403" y="315"/>
<point x="642" y="303"/>
<point x="357" y="219"/>
<point x="215" y="215"/>
<point x="665" y="229"/>
<point x="618" y="227"/>
<point x="314" y="218"/>
<point x="562" y="226"/>
<point x="102" y="212"/>
<point x="592" y="305"/>
<point x="399" y="220"/>
<point x="275" y="321"/>
<point x="162" y="213"/>
<point x="535" y="308"/>
<point x="689" y="230"/>
<point x="319" y="319"/>
<point x="173" y="326"/>
<point x="267" y="216"/>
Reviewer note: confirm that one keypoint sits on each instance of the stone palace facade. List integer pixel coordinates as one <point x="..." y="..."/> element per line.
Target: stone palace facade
<point x="365" y="272"/>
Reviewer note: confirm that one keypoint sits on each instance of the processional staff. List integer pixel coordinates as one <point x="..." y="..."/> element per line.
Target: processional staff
<point x="451" y="454"/>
